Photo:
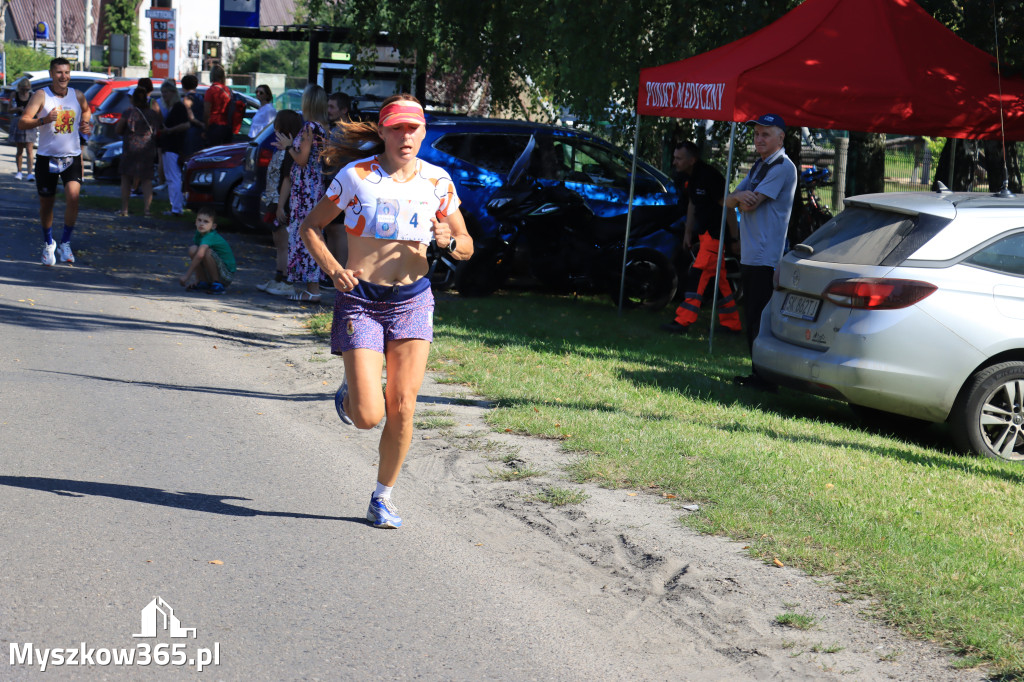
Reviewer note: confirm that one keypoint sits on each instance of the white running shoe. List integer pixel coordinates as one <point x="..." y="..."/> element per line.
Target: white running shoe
<point x="64" y="254"/>
<point x="18" y="176"/>
<point x="31" y="177"/>
<point x="280" y="289"/>
<point x="48" y="257"/>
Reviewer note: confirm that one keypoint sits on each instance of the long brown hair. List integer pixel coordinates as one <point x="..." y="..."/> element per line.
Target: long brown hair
<point x="349" y="141"/>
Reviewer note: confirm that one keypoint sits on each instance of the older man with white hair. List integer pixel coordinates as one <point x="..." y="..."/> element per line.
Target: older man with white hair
<point x="765" y="201"/>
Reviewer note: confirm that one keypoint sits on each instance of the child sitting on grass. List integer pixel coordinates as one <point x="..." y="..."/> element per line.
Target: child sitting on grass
<point x="213" y="264"/>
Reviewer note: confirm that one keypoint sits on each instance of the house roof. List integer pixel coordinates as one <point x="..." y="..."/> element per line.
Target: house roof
<point x="25" y="14"/>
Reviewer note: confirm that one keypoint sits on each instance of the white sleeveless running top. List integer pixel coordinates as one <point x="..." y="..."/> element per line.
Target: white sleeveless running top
<point x="60" y="138"/>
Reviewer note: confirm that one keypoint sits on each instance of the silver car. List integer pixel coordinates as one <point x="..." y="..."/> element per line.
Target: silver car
<point x="910" y="304"/>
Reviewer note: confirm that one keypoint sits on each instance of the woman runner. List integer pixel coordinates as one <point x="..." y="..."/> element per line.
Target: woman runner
<point x="394" y="204"/>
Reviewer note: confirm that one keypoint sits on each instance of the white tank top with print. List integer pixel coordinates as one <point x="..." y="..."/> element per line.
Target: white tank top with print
<point x="60" y="138"/>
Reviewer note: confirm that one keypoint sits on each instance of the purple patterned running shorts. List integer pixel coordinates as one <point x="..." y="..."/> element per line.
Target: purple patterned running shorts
<point x="372" y="314"/>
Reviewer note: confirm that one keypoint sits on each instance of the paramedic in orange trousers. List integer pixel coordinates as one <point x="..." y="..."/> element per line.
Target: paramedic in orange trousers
<point x="705" y="191"/>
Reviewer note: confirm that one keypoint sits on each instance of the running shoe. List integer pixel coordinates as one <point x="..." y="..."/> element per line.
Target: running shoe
<point x="18" y="176"/>
<point x="339" y="401"/>
<point x="280" y="289"/>
<point x="216" y="288"/>
<point x="64" y="254"/>
<point x="48" y="257"/>
<point x="382" y="513"/>
<point x="31" y="177"/>
<point x="262" y="286"/>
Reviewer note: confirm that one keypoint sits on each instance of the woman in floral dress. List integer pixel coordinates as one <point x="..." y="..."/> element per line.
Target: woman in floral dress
<point x="307" y="188"/>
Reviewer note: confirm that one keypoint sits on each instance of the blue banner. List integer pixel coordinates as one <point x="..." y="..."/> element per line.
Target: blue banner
<point x="240" y="13"/>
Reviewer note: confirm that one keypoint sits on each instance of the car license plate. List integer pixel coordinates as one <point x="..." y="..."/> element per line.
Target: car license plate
<point x="801" y="306"/>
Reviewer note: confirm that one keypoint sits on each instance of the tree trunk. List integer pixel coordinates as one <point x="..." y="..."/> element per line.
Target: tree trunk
<point x="865" y="170"/>
<point x="962" y="171"/>
<point x="994" y="165"/>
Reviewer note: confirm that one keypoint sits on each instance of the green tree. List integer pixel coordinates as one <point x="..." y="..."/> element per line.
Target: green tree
<point x="21" y="58"/>
<point x="541" y="55"/>
<point x="279" y="56"/>
<point x="121" y="18"/>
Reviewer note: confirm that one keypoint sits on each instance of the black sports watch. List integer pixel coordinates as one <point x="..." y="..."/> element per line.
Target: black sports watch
<point x="451" y="245"/>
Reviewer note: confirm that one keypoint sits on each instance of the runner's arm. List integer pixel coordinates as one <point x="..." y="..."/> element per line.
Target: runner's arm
<point x="312" y="233"/>
<point x="86" y="125"/>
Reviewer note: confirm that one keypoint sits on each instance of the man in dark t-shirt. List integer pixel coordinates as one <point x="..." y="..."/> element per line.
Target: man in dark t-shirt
<point x="705" y="190"/>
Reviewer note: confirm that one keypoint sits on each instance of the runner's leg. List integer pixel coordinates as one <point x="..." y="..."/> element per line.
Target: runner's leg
<point x="406" y="363"/>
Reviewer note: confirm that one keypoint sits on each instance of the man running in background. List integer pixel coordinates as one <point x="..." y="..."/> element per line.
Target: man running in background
<point x="61" y="114"/>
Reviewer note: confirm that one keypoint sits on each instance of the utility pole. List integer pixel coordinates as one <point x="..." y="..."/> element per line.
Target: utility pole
<point x="88" y="36"/>
<point x="57" y="29"/>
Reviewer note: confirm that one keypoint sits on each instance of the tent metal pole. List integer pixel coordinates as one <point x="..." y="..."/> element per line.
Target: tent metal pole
<point x="721" y="241"/>
<point x="629" y="212"/>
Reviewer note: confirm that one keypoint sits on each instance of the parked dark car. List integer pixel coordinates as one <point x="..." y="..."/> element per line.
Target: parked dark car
<point x="245" y="199"/>
<point x="107" y="166"/>
<point x="80" y="80"/>
<point x="478" y="153"/>
<point x="212" y="174"/>
<point x="105" y="118"/>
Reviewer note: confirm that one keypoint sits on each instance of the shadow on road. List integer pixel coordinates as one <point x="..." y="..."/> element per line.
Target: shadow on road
<point x="213" y="504"/>
<point x="38" y="317"/>
<point x="216" y="390"/>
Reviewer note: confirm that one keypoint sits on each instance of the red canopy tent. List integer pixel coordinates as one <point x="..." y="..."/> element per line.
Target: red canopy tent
<point x="867" y="65"/>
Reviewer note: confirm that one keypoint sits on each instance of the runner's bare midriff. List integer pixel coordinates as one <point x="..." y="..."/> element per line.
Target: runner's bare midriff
<point x="387" y="262"/>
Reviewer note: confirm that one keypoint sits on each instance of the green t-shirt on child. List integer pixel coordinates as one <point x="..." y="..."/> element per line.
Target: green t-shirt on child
<point x="219" y="246"/>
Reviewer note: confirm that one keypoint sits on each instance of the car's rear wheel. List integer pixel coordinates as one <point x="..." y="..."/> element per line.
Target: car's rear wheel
<point x="988" y="418"/>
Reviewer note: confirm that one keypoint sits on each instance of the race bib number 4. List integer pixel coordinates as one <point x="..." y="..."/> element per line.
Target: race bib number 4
<point x="403" y="219"/>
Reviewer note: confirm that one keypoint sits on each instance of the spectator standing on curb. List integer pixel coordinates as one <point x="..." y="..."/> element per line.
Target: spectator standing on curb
<point x="765" y="200"/>
<point x="24" y="140"/>
<point x="171" y="142"/>
<point x="195" y="106"/>
<point x="705" y="191"/>
<point x="307" y="187"/>
<point x="62" y="115"/>
<point x="394" y="205"/>
<point x="264" y="116"/>
<point x="339" y="105"/>
<point x="139" y="127"/>
<point x="215" y="111"/>
<point x="274" y="202"/>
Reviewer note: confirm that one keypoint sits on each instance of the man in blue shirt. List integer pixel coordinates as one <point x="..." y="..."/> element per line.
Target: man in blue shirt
<point x="765" y="200"/>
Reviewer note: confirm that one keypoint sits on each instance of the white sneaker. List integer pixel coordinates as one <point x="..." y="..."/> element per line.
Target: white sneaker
<point x="48" y="258"/>
<point x="18" y="176"/>
<point x="64" y="253"/>
<point x="280" y="289"/>
<point x="31" y="177"/>
<point x="262" y="286"/>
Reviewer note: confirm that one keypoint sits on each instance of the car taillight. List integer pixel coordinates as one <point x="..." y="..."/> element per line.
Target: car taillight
<point x="109" y="119"/>
<point x="264" y="158"/>
<point x="871" y="293"/>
